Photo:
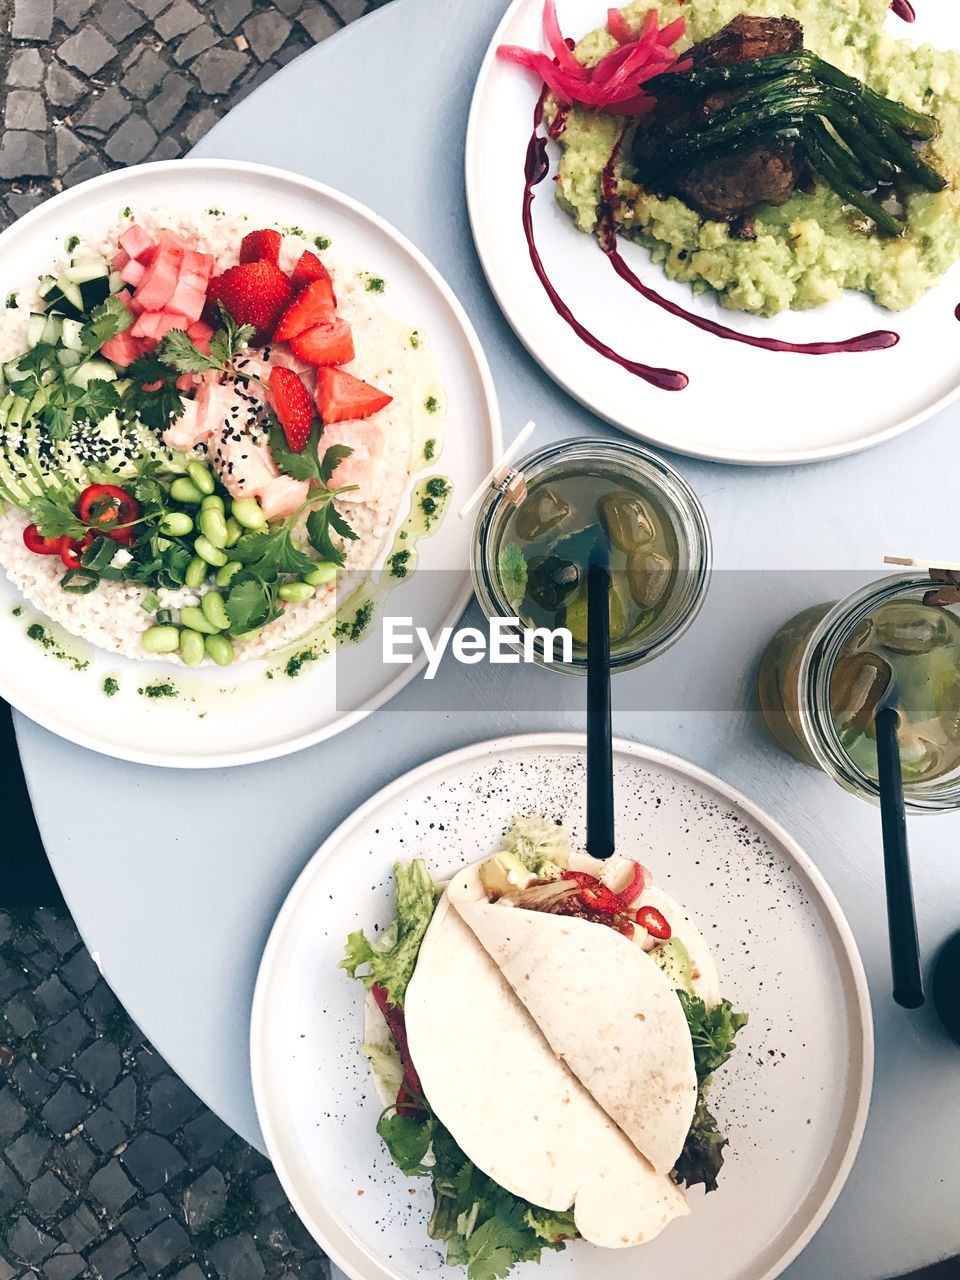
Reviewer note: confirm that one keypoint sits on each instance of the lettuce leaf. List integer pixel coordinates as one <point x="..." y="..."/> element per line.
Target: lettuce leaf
<point x="713" y="1032"/>
<point x="392" y="958"/>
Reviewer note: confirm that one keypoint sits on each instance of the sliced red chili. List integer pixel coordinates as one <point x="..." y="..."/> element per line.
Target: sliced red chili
<point x="34" y="541"/>
<point x="655" y="923"/>
<point x="110" y="509"/>
<point x="594" y="893"/>
<point x="628" y="896"/>
<point x="70" y="549"/>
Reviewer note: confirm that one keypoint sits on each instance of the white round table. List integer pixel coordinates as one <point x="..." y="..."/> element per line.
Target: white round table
<point x="174" y="878"/>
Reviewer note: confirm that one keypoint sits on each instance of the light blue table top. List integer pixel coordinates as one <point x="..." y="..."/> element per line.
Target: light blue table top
<point x="178" y="915"/>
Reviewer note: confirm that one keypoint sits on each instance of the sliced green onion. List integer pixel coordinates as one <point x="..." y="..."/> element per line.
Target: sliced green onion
<point x="150" y="603"/>
<point x="99" y="554"/>
<point x="164" y="617"/>
<point x="80" y="582"/>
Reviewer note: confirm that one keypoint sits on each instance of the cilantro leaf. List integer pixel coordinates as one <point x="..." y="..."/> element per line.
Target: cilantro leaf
<point x="57" y="420"/>
<point x="182" y="353"/>
<point x="393" y="957"/>
<point x="52" y="512"/>
<point x="318" y="531"/>
<point x="332" y="458"/>
<point x="304" y="465"/>
<point x="251" y="603"/>
<point x="157" y="408"/>
<point x="271" y="554"/>
<point x="341" y="525"/>
<point x="100" y="399"/>
<point x="106" y="321"/>
<point x="407" y="1138"/>
<point x="713" y="1032"/>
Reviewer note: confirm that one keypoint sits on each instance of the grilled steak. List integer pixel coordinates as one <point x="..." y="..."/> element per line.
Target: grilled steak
<point x="725" y="189"/>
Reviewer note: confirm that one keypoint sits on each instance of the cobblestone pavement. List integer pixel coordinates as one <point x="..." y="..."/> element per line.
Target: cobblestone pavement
<point x="109" y="1166"/>
<point x="92" y="85"/>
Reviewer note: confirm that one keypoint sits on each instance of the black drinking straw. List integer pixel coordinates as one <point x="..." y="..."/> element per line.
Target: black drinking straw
<point x="901" y="915"/>
<point x="600" y="833"/>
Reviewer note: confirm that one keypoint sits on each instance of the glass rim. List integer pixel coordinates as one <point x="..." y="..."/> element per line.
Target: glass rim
<point x="688" y="521"/>
<point x="817" y="663"/>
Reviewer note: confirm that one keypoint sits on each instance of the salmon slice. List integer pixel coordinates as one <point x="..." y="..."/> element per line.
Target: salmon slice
<point x="364" y="464"/>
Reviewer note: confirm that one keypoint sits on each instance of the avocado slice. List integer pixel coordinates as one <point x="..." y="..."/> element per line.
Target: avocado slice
<point x="505" y="873"/>
<point x="674" y="959"/>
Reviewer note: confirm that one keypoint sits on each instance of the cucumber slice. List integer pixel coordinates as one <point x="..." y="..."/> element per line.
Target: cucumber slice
<point x="35" y="327"/>
<point x="94" y="292"/>
<point x="70" y="291"/>
<point x="85" y="373"/>
<point x="67" y="358"/>
<point x="13" y="373"/>
<point x="89" y="269"/>
<point x="116" y="281"/>
<point x="70" y="336"/>
<point x="46" y="285"/>
<point x="51" y="330"/>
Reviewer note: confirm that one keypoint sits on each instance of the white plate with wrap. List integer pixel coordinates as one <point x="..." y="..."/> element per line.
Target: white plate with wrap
<point x="794" y="1105"/>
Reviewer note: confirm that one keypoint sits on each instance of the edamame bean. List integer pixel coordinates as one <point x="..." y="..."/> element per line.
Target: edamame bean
<point x="214" y="527"/>
<point x="196" y="574"/>
<point x="220" y="650"/>
<point x="160" y="639"/>
<point x="177" y="523"/>
<point x="248" y="512"/>
<point x="197" y="620"/>
<point x="296" y="592"/>
<point x="234" y="532"/>
<point x="243" y="637"/>
<point x="212" y="502"/>
<point x="184" y="490"/>
<point x="191" y="647"/>
<point x="226" y="573"/>
<point x="207" y="551"/>
<point x="326" y="571"/>
<point x="214" y="611"/>
<point x="201" y="477"/>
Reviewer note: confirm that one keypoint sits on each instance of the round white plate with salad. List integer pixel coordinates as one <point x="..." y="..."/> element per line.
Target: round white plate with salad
<point x="687" y="249"/>
<point x="661" y="1063"/>
<point x="236" y="410"/>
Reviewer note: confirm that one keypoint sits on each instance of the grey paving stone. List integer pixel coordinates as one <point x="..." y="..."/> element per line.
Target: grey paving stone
<point x="65" y="1037"/>
<point x="89" y="167"/>
<point x="268" y="1192"/>
<point x="180" y="18"/>
<point x="191" y="46"/>
<point x="132" y="142"/>
<point x="236" y="1258"/>
<point x="51" y="993"/>
<point x="63" y="1266"/>
<point x="113" y="1258"/>
<point x="289" y="7"/>
<point x="145" y="74"/>
<point x="205" y="1136"/>
<point x="79" y="1229"/>
<point x="101" y="1003"/>
<point x="56" y="927"/>
<point x="204" y="1199"/>
<point x="26" y="1154"/>
<point x="22" y="202"/>
<point x="290" y="51"/>
<point x="17" y="1014"/>
<point x="71" y="12"/>
<point x="167" y="105"/>
<point x="34" y="1083"/>
<point x="48" y="1195"/>
<point x="217" y="69"/>
<point x="80" y="973"/>
<point x="317" y="21"/>
<point x="104" y="1130"/>
<point x="69" y="148"/>
<point x="12" y="978"/>
<point x="25" y="110"/>
<point x="8" y="1273"/>
<point x="65" y="1109"/>
<point x="150" y="1063"/>
<point x="23" y="155"/>
<point x="12" y="1114"/>
<point x="161" y="1247"/>
<point x="200" y="125"/>
<point x="88" y="51"/>
<point x="119" y="20"/>
<point x="10" y="1188"/>
<point x="101" y="117"/>
<point x="150" y="8"/>
<point x="151" y="1161"/>
<point x="63" y="89"/>
<point x="32" y="19"/>
<point x="228" y="14"/>
<point x="136" y="1222"/>
<point x="26" y="69"/>
<point x="29" y="1243"/>
<point x="167" y="148"/>
<point x="349" y="10"/>
<point x="193" y="1272"/>
<point x="122" y="1101"/>
<point x="171" y="1105"/>
<point x="111" y="1187"/>
<point x="266" y="32"/>
<point x="99" y="1065"/>
<point x="77" y="1158"/>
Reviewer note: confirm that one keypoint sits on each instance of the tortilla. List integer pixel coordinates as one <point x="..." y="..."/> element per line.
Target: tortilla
<point x="605" y="1008"/>
<point x="513" y="1107"/>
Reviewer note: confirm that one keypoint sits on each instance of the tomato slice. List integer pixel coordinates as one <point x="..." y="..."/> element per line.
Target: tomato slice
<point x="70" y="549"/>
<point x="34" y="541"/>
<point x="110" y="509"/>
<point x="632" y="892"/>
<point x="655" y="923"/>
<point x="594" y="893"/>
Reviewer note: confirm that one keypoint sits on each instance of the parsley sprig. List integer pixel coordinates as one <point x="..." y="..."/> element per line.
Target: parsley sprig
<point x="178" y="350"/>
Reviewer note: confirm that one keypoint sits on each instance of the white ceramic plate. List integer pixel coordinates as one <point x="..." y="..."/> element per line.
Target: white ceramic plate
<point x="794" y="1105"/>
<point x="742" y="404"/>
<point x="237" y="715"/>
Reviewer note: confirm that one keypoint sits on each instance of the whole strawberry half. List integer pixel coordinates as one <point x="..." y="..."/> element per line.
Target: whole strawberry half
<point x="255" y="293"/>
<point x="308" y="268"/>
<point x="257" y="245"/>
<point x="291" y="403"/>
<point x="316" y="304"/>
<point x="210" y="315"/>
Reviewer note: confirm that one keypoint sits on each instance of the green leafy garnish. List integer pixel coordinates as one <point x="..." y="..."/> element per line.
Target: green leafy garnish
<point x="53" y="514"/>
<point x="391" y="959"/>
<point x="251" y="603"/>
<point x="160" y="406"/>
<point x="272" y="553"/>
<point x="713" y="1032"/>
<point x="513" y="574"/>
<point x="179" y="350"/>
<point x="106" y="321"/>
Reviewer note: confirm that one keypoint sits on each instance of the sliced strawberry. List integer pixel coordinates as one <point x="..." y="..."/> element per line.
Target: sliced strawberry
<point x="210" y="313"/>
<point x="255" y="293"/>
<point x="259" y="246"/>
<point x="343" y="398"/>
<point x="315" y="305"/>
<point x="325" y="344"/>
<point x="292" y="405"/>
<point x="308" y="269"/>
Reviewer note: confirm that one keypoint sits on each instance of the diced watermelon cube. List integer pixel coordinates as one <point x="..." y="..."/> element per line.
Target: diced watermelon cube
<point x="119" y="260"/>
<point x="133" y="272"/>
<point x="123" y="349"/>
<point x="200" y="334"/>
<point x="135" y="241"/>
<point x="158" y="284"/>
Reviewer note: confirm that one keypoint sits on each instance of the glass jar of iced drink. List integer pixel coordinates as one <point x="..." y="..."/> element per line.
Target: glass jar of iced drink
<point x="537" y="528"/>
<point x="829" y="670"/>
